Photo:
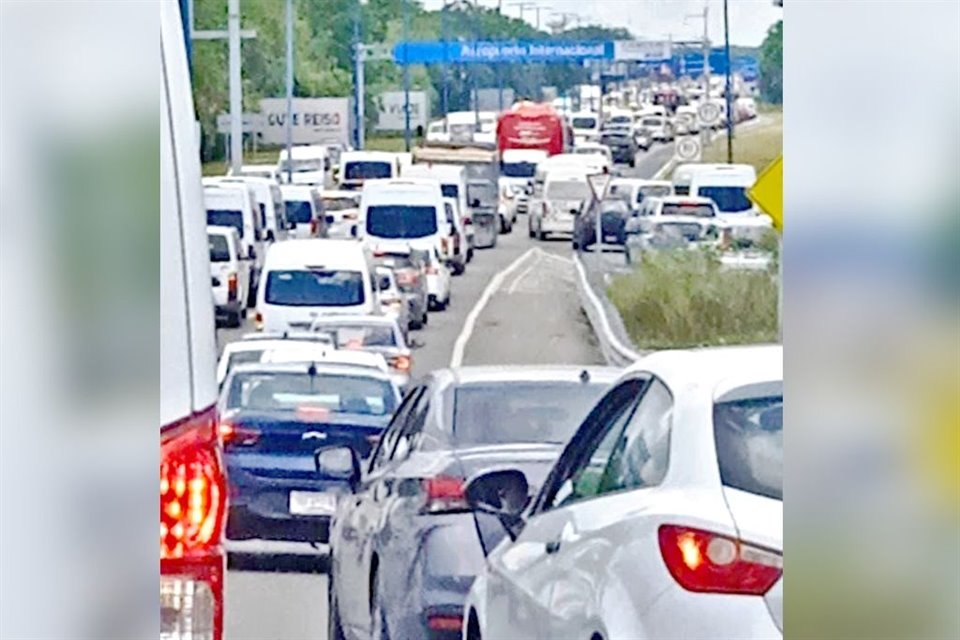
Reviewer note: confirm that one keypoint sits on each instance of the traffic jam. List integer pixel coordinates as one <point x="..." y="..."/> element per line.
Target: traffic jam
<point x="496" y="500"/>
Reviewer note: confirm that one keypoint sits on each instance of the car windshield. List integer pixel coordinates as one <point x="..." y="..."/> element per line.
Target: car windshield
<point x="652" y="191"/>
<point x="652" y="122"/>
<point x="219" y="248"/>
<point x="567" y="190"/>
<point x="620" y="120"/>
<point x="302" y="166"/>
<point x="226" y="218"/>
<point x="298" y="211"/>
<point x="697" y="210"/>
<point x="296" y="391"/>
<point x="518" y="169"/>
<point x="728" y="199"/>
<point x="358" y="336"/>
<point x="340" y="204"/>
<point x="584" y="123"/>
<point x="449" y="190"/>
<point x="401" y="221"/>
<point x="505" y="412"/>
<point x="366" y="170"/>
<point x="314" y="288"/>
<point x="749" y="440"/>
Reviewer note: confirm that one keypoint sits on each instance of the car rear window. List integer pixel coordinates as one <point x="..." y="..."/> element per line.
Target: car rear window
<point x="728" y="199"/>
<point x="226" y="218"/>
<point x="652" y="122"/>
<point x="749" y="439"/>
<point x="296" y="391"/>
<point x="505" y="412"/>
<point x="696" y="210"/>
<point x="567" y="190"/>
<point x="450" y="190"/>
<point x="584" y="123"/>
<point x="298" y="211"/>
<point x="518" y="169"/>
<point x="652" y="191"/>
<point x="314" y="288"/>
<point x="340" y="204"/>
<point x="367" y="170"/>
<point x="219" y="248"/>
<point x="401" y="221"/>
<point x="360" y="335"/>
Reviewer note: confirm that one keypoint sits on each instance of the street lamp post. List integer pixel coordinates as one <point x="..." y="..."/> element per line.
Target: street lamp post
<point x="406" y="77"/>
<point x="728" y="90"/>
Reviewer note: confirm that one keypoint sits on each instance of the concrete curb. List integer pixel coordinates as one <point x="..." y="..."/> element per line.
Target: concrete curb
<point x="614" y="351"/>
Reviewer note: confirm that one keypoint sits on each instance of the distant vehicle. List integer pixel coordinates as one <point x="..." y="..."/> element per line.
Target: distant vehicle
<point x="695" y="206"/>
<point x="586" y="126"/>
<point x="411" y="275"/>
<point x="565" y="191"/>
<point x="304" y="279"/>
<point x="356" y="167"/>
<point x="660" y="128"/>
<point x="234" y="205"/>
<point x="229" y="274"/>
<point x="393" y="304"/>
<point x="517" y="169"/>
<point x="402" y="560"/>
<point x="404" y="210"/>
<point x="462" y="127"/>
<point x="528" y="125"/>
<point x="379" y="335"/>
<point x="192" y="515"/>
<point x="438" y="276"/>
<point x="623" y="146"/>
<point x="453" y="184"/>
<point x="304" y="211"/>
<point x="275" y="417"/>
<point x="682" y="176"/>
<point x="662" y="518"/>
<point x="619" y="118"/>
<point x="614" y="214"/>
<point x="267" y="192"/>
<point x="269" y="171"/>
<point x="437" y="131"/>
<point x="597" y="149"/>
<point x="635" y="190"/>
<point x="454" y="244"/>
<point x="673" y="232"/>
<point x="308" y="164"/>
<point x="744" y="108"/>
<point x="688" y="115"/>
<point x="342" y="209"/>
<point x="486" y="215"/>
<point x="306" y="345"/>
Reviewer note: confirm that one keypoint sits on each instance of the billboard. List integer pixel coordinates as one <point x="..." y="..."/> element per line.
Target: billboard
<point x="502" y="51"/>
<point x="635" y="50"/>
<point x="391" y="116"/>
<point x="315" y="120"/>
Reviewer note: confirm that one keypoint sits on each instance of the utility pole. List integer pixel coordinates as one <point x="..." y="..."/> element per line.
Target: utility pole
<point x="473" y="70"/>
<point x="288" y="124"/>
<point x="236" y="88"/>
<point x="704" y="131"/>
<point x="358" y="61"/>
<point x="729" y="89"/>
<point x="406" y="76"/>
<point x="446" y="63"/>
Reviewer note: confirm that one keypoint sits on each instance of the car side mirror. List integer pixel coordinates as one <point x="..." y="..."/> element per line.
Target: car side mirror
<point x="339" y="463"/>
<point x="504" y="493"/>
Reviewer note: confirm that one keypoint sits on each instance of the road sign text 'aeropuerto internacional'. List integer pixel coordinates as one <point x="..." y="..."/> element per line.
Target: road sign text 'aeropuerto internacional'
<point x="520" y="51"/>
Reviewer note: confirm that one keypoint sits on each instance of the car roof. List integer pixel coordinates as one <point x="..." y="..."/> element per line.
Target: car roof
<point x="316" y="251"/>
<point x="674" y="199"/>
<point x="330" y="356"/>
<point x="296" y="189"/>
<point x="719" y="369"/>
<point x="360" y="156"/>
<point x="355" y="319"/>
<point x="301" y="366"/>
<point x="219" y="230"/>
<point x="526" y="373"/>
<point x="268" y="344"/>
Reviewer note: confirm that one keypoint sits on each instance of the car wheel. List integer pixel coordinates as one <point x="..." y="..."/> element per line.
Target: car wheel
<point x="633" y="162"/>
<point x="334" y="627"/>
<point x="425" y="319"/>
<point x="458" y="268"/>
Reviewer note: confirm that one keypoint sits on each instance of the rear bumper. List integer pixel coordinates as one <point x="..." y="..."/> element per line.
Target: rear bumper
<point x="243" y="523"/>
<point x="678" y="613"/>
<point x="551" y="224"/>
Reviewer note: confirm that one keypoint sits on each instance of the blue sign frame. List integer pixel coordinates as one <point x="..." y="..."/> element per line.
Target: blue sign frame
<point x="509" y="51"/>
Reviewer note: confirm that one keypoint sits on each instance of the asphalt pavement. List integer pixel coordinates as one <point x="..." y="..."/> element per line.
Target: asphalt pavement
<point x="516" y="304"/>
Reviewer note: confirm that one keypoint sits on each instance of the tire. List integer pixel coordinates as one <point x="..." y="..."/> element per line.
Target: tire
<point x="425" y="319"/>
<point x="530" y="229"/>
<point x="459" y="267"/>
<point x="541" y="236"/>
<point x="469" y="254"/>
<point x="334" y="627"/>
<point x="234" y="318"/>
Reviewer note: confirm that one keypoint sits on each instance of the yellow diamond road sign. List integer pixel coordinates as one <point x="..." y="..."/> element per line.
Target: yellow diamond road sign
<point x="767" y="193"/>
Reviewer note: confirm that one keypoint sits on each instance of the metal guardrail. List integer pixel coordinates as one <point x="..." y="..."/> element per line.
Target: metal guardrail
<point x="614" y="350"/>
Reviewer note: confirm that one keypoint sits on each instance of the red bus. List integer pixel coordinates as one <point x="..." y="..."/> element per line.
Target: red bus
<point x="530" y="125"/>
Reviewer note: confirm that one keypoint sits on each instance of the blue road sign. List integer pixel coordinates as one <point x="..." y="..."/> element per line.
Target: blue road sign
<point x="501" y="51"/>
<point x="691" y="63"/>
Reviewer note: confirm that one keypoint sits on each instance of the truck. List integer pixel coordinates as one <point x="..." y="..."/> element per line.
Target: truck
<point x="530" y="125"/>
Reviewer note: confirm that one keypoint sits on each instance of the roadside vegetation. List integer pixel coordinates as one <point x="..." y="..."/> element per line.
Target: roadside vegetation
<point x="677" y="299"/>
<point x="758" y="144"/>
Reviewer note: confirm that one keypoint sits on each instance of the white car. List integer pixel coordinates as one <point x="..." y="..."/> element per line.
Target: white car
<point x="229" y="274"/>
<point x="438" y="276"/>
<point x="392" y="302"/>
<point x="663" y="517"/>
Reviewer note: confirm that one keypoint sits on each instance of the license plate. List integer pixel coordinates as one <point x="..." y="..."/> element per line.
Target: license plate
<point x="312" y="503"/>
<point x="610" y="237"/>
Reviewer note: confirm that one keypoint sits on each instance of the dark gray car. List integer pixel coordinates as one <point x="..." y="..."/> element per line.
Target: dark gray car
<point x="404" y="547"/>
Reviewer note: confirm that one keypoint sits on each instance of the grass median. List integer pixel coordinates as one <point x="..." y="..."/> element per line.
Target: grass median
<point x="758" y="144"/>
<point x="679" y="299"/>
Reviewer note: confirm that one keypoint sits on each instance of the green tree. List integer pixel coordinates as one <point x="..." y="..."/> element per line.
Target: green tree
<point x="771" y="64"/>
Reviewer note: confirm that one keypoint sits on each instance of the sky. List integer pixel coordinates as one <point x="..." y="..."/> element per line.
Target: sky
<point x="655" y="19"/>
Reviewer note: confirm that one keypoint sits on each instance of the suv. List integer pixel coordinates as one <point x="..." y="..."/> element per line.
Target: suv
<point x="623" y="146"/>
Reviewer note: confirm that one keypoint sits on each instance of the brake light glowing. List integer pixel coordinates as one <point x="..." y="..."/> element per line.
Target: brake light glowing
<point x="441" y="622"/>
<point x="232" y="286"/>
<point x="400" y="363"/>
<point x="241" y="435"/>
<point x="444" y="494"/>
<point x="258" y="321"/>
<point x="314" y="227"/>
<point x="707" y="562"/>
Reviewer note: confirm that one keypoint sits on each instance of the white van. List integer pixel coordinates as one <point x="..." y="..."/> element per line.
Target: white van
<point x="270" y="201"/>
<point x="303" y="279"/>
<point x="453" y="184"/>
<point x="229" y="274"/>
<point x="565" y="190"/>
<point x="303" y="208"/>
<point x="660" y="127"/>
<point x="234" y="205"/>
<point x="601" y="158"/>
<point x="358" y="166"/>
<point x="454" y="247"/>
<point x="727" y="185"/>
<point x="404" y="209"/>
<point x="310" y="164"/>
<point x="517" y="170"/>
<point x="683" y="175"/>
<point x="687" y="114"/>
<point x="586" y="126"/>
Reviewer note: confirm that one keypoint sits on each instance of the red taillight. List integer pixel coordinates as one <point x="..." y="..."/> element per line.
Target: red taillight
<point x="232" y="286"/>
<point x="400" y="363"/>
<point x="431" y="270"/>
<point x="314" y="227"/>
<point x="193" y="510"/>
<point x="707" y="562"/>
<point x="240" y="435"/>
<point x="444" y="245"/>
<point x="444" y="493"/>
<point x="444" y="622"/>
<point x="258" y="321"/>
<point x="467" y="220"/>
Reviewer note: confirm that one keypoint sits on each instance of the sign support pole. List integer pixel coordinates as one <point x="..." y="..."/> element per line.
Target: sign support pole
<point x="288" y="124"/>
<point x="236" y="88"/>
<point x="406" y="77"/>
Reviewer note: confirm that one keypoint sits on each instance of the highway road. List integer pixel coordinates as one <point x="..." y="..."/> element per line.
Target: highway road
<point x="516" y="304"/>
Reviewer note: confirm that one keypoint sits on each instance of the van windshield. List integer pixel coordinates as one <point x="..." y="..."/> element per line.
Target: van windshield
<point x="366" y="170"/>
<point x="219" y="248"/>
<point x="314" y="288"/>
<point x="225" y="218"/>
<point x="401" y="221"/>
<point x="620" y="120"/>
<point x="450" y="190"/>
<point x="657" y="191"/>
<point x="728" y="199"/>
<point x="298" y="211"/>
<point x="584" y="123"/>
<point x="568" y="190"/>
<point x="518" y="169"/>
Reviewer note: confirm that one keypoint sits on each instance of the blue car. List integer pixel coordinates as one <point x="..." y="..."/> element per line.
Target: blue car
<point x="405" y="547"/>
<point x="274" y="418"/>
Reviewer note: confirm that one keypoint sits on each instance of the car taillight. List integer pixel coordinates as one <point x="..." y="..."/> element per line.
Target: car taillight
<point x="232" y="286"/>
<point x="314" y="227"/>
<point x="193" y="509"/>
<point x="443" y="494"/>
<point x="708" y="562"/>
<point x="400" y="363"/>
<point x="444" y="622"/>
<point x="258" y="321"/>
<point x="445" y="245"/>
<point x="241" y="435"/>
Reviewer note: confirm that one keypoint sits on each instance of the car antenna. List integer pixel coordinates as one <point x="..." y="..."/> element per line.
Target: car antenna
<point x="584" y="376"/>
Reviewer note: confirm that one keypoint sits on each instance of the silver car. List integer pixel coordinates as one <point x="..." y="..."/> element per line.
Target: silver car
<point x="375" y="334"/>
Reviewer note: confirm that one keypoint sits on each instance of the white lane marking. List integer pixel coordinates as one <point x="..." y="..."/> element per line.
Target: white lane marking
<point x="525" y="272"/>
<point x="456" y="359"/>
<point x="554" y="256"/>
